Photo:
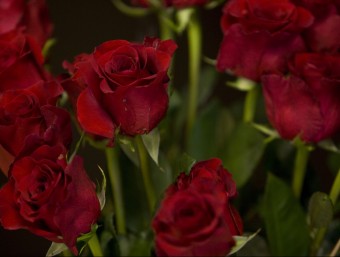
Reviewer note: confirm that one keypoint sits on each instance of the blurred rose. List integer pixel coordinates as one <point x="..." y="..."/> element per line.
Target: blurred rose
<point x="32" y="16"/>
<point x="48" y="197"/>
<point x="32" y="112"/>
<point x="260" y="36"/>
<point x="323" y="35"/>
<point x="20" y="61"/>
<point x="121" y="85"/>
<point x="306" y="103"/>
<point x="196" y="217"/>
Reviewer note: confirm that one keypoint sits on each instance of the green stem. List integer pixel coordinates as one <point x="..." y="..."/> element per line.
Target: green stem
<point x="250" y="104"/>
<point x="95" y="246"/>
<point x="144" y="167"/>
<point x="117" y="192"/>
<point x="321" y="233"/>
<point x="165" y="31"/>
<point x="301" y="159"/>
<point x="195" y="51"/>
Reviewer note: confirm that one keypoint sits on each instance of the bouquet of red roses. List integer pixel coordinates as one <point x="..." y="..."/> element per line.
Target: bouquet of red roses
<point x="196" y="128"/>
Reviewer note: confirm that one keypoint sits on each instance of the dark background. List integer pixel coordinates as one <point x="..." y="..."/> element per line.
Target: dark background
<point x="79" y="26"/>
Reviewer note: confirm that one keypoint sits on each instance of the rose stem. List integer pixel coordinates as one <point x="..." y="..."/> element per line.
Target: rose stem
<point x="95" y="246"/>
<point x="144" y="167"/>
<point x="333" y="195"/>
<point x="164" y="30"/>
<point x="250" y="104"/>
<point x="117" y="192"/>
<point x="301" y="158"/>
<point x="194" y="52"/>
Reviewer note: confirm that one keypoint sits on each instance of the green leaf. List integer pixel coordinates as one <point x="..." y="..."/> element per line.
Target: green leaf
<point x="151" y="142"/>
<point x="329" y="145"/>
<point x="102" y="190"/>
<point x="244" y="150"/>
<point x="184" y="164"/>
<point x="127" y="145"/>
<point x="320" y="210"/>
<point x="285" y="221"/>
<point x="136" y="245"/>
<point x="183" y="17"/>
<point x="242" y="241"/>
<point x="47" y="46"/>
<point x="55" y="249"/>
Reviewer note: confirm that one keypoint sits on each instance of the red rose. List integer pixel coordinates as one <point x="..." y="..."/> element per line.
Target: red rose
<point x="323" y="35"/>
<point x="32" y="112"/>
<point x="30" y="15"/>
<point x="196" y="217"/>
<point x="20" y="61"/>
<point x="122" y="85"/>
<point x="48" y="197"/>
<point x="260" y="36"/>
<point x="306" y="103"/>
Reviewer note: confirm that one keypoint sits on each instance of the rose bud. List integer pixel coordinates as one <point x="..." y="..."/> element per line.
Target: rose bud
<point x="21" y="61"/>
<point x="121" y="85"/>
<point x="32" y="16"/>
<point x="306" y="103"/>
<point x="196" y="217"/>
<point x="32" y="111"/>
<point x="260" y="36"/>
<point x="48" y="197"/>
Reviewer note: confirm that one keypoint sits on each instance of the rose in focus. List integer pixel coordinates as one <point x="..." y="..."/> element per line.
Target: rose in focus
<point x="196" y="217"/>
<point x="306" y="103"/>
<point x="48" y="197"/>
<point x="124" y="85"/>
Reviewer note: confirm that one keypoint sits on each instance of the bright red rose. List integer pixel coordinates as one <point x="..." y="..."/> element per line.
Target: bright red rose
<point x="48" y="197"/>
<point x="306" y="103"/>
<point x="121" y="85"/>
<point x="260" y="36"/>
<point x="32" y="112"/>
<point x="21" y="61"/>
<point x="32" y="16"/>
<point x="196" y="217"/>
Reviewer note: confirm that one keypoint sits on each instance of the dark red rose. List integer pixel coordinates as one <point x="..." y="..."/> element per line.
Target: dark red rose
<point x="196" y="217"/>
<point x="32" y="16"/>
<point x="21" y="61"/>
<point x="260" y="36"/>
<point x="122" y="85"/>
<point x="306" y="103"/>
<point x="32" y="112"/>
<point x="323" y="35"/>
<point x="48" y="197"/>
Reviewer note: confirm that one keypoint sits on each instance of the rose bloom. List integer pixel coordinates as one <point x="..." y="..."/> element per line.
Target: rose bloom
<point x="32" y="16"/>
<point x="260" y="36"/>
<point x="306" y="103"/>
<point x="196" y="217"/>
<point x="48" y="197"/>
<point x="21" y="61"/>
<point x="323" y="35"/>
<point x="32" y="112"/>
<point x="121" y="85"/>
